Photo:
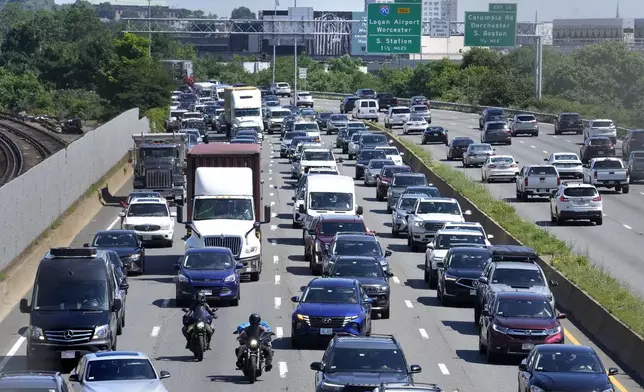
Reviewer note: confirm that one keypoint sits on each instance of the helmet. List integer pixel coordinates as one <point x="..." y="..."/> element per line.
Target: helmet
<point x="255" y="319"/>
<point x="201" y="298"/>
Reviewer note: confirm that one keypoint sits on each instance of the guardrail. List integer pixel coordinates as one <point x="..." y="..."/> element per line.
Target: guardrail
<point x="466" y="108"/>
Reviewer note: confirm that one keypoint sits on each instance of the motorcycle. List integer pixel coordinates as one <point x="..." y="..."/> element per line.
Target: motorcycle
<point x="198" y="340"/>
<point x="253" y="359"/>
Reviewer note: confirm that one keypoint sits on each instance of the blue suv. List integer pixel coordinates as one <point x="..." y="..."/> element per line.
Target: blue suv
<point x="329" y="306"/>
<point x="211" y="271"/>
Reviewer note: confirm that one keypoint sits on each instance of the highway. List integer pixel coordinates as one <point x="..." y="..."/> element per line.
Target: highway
<point x="617" y="245"/>
<point x="441" y="340"/>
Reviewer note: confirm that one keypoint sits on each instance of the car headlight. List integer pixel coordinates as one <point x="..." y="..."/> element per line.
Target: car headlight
<point x="301" y="317"/>
<point x="535" y="389"/>
<point x="499" y="328"/>
<point x="553" y="331"/>
<point x="251" y="249"/>
<point x="383" y="289"/>
<point x="230" y="278"/>
<point x="327" y="386"/>
<point x="450" y="278"/>
<point x="182" y="278"/>
<point x="419" y="223"/>
<point x="36" y="333"/>
<point x="549" y="297"/>
<point x="134" y="257"/>
<point x="254" y="343"/>
<point x="201" y="325"/>
<point x="352" y="317"/>
<point x="102" y="332"/>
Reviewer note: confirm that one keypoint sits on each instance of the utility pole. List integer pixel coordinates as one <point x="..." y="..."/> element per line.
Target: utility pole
<point x="538" y="67"/>
<point x="274" y="41"/>
<point x="295" y="61"/>
<point x="149" y="28"/>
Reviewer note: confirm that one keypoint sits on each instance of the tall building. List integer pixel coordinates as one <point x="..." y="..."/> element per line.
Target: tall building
<point x="449" y="10"/>
<point x="432" y="9"/>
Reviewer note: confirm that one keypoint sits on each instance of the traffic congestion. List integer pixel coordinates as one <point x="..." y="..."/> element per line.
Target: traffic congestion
<point x="299" y="252"/>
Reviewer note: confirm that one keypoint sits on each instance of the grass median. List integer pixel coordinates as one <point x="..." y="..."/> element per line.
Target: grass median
<point x="609" y="292"/>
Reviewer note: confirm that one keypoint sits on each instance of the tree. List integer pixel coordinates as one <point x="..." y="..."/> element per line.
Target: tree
<point x="242" y="13"/>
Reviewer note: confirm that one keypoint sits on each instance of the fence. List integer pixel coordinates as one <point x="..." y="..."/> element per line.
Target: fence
<point x="30" y="203"/>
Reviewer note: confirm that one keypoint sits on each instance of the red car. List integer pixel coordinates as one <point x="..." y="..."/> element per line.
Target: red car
<point x="515" y="322"/>
<point x="323" y="229"/>
<point x="385" y="178"/>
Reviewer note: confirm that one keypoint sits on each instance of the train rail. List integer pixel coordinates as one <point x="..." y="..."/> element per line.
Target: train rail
<point x="12" y="161"/>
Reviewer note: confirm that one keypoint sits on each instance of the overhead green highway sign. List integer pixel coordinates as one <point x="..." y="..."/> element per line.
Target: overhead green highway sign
<point x="490" y="29"/>
<point x="394" y="28"/>
<point x="503" y="7"/>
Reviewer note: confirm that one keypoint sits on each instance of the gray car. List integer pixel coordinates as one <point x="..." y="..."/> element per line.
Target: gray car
<point x="399" y="214"/>
<point x="336" y="122"/>
<point x="496" y="132"/>
<point x="476" y="154"/>
<point x="422" y="110"/>
<point x="399" y="184"/>
<point x="525" y="124"/>
<point x="373" y="170"/>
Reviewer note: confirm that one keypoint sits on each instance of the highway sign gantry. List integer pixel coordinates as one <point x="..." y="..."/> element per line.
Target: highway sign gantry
<point x="394" y="28"/>
<point x="493" y="29"/>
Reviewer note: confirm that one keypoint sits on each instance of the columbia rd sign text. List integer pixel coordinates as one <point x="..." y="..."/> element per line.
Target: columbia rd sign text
<point x="394" y="28"/>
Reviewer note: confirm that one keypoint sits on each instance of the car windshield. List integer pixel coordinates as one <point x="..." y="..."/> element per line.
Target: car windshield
<point x="524" y="309"/>
<point x="429" y="191"/>
<point x="247" y="112"/>
<point x="235" y="209"/>
<point x="462" y="142"/>
<point x="584" y="191"/>
<point x="331" y="201"/>
<point x="72" y="294"/>
<point x="432" y="207"/>
<point x="600" y="141"/>
<point x="192" y="139"/>
<point x="308" y="112"/>
<point x="566" y="157"/>
<point x="148" y="209"/>
<point x="192" y="115"/>
<point x="366" y="360"/>
<point x="445" y="241"/>
<point x="391" y="170"/>
<point x="208" y="261"/>
<point x="356" y="126"/>
<point x="330" y="295"/>
<point x="120" y="370"/>
<point x="374" y="139"/>
<point x="571" y="117"/>
<point x="291" y="135"/>
<point x="568" y="362"/>
<point x="481" y="148"/>
<point x="306" y="127"/>
<point x="638" y="163"/>
<point x="339" y="117"/>
<point x="405" y="181"/>
<point x="317" y="155"/>
<point x="407" y="202"/>
<point x="243" y="141"/>
<point x="502" y="160"/>
<point x="372" y="154"/>
<point x="158" y="152"/>
<point x="638" y="136"/>
<point x="357" y="248"/>
<point x="542" y="171"/>
<point x="329" y="229"/>
<point x="378" y="164"/>
<point x="300" y="140"/>
<point x="417" y="118"/>
<point x="400" y="111"/>
<point x="470" y="260"/>
<point x="139" y="195"/>
<point x="358" y="269"/>
<point x="419" y="109"/>
<point x="116" y="240"/>
<point x="495" y="112"/>
<point x="367" y="91"/>
<point x="280" y="113"/>
<point x="609" y="164"/>
<point x="602" y="124"/>
<point x="495" y="126"/>
<point x="517" y="277"/>
<point x="525" y="117"/>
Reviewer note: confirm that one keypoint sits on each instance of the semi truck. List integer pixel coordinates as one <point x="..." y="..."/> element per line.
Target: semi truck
<point x="159" y="162"/>
<point x="224" y="196"/>
<point x="242" y="104"/>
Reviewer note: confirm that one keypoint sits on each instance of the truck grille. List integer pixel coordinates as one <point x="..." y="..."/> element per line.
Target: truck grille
<point x="320" y="322"/>
<point x="433" y="226"/>
<point x="467" y="282"/>
<point x="370" y="289"/>
<point x="233" y="243"/>
<point x="358" y="388"/>
<point x="158" y="179"/>
<point x="71" y="336"/>
<point x="147" y="227"/>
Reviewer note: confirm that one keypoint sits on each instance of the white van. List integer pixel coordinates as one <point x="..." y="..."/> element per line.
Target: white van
<point x="366" y="109"/>
<point x="328" y="194"/>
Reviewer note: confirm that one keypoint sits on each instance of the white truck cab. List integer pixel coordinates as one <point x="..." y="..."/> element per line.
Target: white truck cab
<point x="328" y="194"/>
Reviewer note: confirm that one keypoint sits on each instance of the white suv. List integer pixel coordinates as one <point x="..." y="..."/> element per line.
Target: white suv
<point x="304" y="98"/>
<point x="281" y="89"/>
<point x="151" y="219"/>
<point x="575" y="201"/>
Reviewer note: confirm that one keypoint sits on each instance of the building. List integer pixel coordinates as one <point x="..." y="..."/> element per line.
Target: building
<point x="432" y="9"/>
<point x="449" y="10"/>
<point x="140" y="3"/>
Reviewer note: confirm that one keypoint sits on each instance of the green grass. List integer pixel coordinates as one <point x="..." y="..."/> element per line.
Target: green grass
<point x="610" y="293"/>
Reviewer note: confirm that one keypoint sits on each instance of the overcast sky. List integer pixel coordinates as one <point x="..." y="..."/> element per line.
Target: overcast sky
<point x="546" y="9"/>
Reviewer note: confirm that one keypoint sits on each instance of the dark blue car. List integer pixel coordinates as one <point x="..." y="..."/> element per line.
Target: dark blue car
<point x="126" y="244"/>
<point x="329" y="306"/>
<point x="243" y="141"/>
<point x="211" y="271"/>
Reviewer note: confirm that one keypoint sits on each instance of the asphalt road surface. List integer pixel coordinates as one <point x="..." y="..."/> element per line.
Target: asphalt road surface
<point x="441" y="340"/>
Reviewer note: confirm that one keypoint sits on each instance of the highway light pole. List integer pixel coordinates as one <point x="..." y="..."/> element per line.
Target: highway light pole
<point x="149" y="30"/>
<point x="538" y="68"/>
<point x="274" y="40"/>
<point x="295" y="61"/>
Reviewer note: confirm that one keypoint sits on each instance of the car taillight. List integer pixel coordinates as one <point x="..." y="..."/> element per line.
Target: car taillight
<point x="525" y="182"/>
<point x="595" y="174"/>
<point x="598" y="198"/>
<point x="534" y="121"/>
<point x="564" y="199"/>
<point x="492" y="166"/>
<point x="558" y="181"/>
<point x="514" y="165"/>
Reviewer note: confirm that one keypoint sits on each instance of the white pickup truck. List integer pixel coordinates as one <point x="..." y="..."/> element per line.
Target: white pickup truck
<point x="536" y="180"/>
<point x="607" y="173"/>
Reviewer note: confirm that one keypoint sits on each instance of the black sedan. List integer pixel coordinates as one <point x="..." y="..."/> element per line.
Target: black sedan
<point x="124" y="242"/>
<point x="596" y="147"/>
<point x="321" y="118"/>
<point x="462" y="267"/>
<point x="434" y="135"/>
<point x="565" y="368"/>
<point x="457" y="147"/>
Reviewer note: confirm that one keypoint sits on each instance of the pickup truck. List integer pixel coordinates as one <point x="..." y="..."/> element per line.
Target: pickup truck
<point x="607" y="173"/>
<point x="386" y="100"/>
<point x="536" y="180"/>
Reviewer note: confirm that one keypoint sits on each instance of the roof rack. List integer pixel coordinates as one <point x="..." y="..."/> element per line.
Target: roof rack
<point x="73" y="252"/>
<point x="516" y="253"/>
<point x="29" y="373"/>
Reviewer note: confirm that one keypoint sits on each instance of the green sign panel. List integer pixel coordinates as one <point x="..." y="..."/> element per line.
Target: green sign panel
<point x="394" y="28"/>
<point x="408" y="1"/>
<point x="490" y="29"/>
<point x="503" y="7"/>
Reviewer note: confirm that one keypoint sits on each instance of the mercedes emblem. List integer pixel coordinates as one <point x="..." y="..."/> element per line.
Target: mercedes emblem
<point x="326" y="321"/>
<point x="68" y="334"/>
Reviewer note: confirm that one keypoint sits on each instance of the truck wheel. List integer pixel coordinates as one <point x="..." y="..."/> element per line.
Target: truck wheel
<point x="625" y="189"/>
<point x="254" y="276"/>
<point x="599" y="221"/>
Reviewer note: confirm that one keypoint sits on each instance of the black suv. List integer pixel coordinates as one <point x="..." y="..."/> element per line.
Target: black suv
<point x="569" y="122"/>
<point x="634" y="141"/>
<point x="491" y="114"/>
<point x="362" y="363"/>
<point x="33" y="381"/>
<point x="347" y="104"/>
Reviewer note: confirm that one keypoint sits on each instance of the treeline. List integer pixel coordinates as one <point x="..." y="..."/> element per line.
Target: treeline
<point x="604" y="80"/>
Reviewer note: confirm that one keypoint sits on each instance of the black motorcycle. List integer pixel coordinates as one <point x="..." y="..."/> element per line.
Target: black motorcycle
<point x="253" y="359"/>
<point x="198" y="340"/>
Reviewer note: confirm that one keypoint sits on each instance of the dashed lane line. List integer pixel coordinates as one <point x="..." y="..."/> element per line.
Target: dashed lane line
<point x="277" y="302"/>
<point x="409" y="304"/>
<point x="272" y="194"/>
<point x="443" y="369"/>
<point x="12" y="351"/>
<point x="279" y="332"/>
<point x="423" y="333"/>
<point x="283" y="369"/>
<point x="544" y="151"/>
<point x="628" y="227"/>
<point x="278" y="279"/>
<point x="276" y="259"/>
<point x="273" y="227"/>
<point x="396" y="280"/>
<point x="114" y="222"/>
<point x="155" y="331"/>
<point x="272" y="203"/>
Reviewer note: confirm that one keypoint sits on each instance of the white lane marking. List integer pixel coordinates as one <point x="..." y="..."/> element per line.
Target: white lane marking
<point x="443" y="369"/>
<point x="272" y="203"/>
<point x="423" y="333"/>
<point x="545" y="152"/>
<point x="272" y="194"/>
<point x="114" y="222"/>
<point x="165" y="303"/>
<point x="270" y="178"/>
<point x="396" y="280"/>
<point x="155" y="331"/>
<point x="628" y="227"/>
<point x="270" y="164"/>
<point x="12" y="351"/>
<point x="521" y="141"/>
<point x="556" y="137"/>
<point x="270" y="171"/>
<point x="642" y="193"/>
<point x="277" y="301"/>
<point x="276" y="259"/>
<point x="273" y="227"/>
<point x="283" y="369"/>
<point x="408" y="303"/>
<point x="277" y="279"/>
<point x="279" y="332"/>
<point x="533" y="146"/>
<point x="271" y="186"/>
<point x="604" y="214"/>
<point x="273" y="215"/>
<point x="272" y="161"/>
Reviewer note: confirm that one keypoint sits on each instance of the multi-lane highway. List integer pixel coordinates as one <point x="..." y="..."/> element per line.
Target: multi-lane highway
<point x="442" y="340"/>
<point x="617" y="245"/>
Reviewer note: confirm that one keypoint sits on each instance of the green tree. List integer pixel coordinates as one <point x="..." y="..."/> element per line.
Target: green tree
<point x="242" y="13"/>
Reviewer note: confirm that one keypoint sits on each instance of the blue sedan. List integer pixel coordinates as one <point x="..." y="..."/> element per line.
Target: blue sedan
<point x="329" y="306"/>
<point x="210" y="271"/>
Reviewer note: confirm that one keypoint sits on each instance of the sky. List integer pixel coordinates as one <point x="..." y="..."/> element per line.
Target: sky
<point x="547" y="10"/>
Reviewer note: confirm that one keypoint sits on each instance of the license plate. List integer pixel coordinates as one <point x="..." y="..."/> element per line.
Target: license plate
<point x="472" y="292"/>
<point x="206" y="292"/>
<point x="68" y="355"/>
<point x="147" y="238"/>
<point x="326" y="331"/>
<point x="600" y="153"/>
<point x="434" y="134"/>
<point x="372" y="111"/>
<point x="249" y="269"/>
<point x="527" y="346"/>
<point x="503" y="167"/>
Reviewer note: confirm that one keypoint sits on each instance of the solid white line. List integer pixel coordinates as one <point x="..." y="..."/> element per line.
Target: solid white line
<point x="277" y="279"/>
<point x="114" y="222"/>
<point x="165" y="302"/>
<point x="556" y="137"/>
<point x="272" y="161"/>
<point x="270" y="171"/>
<point x="270" y="164"/>
<point x="642" y="193"/>
<point x="272" y="194"/>
<point x="155" y="331"/>
<point x="283" y="369"/>
<point x="279" y="332"/>
<point x="423" y="333"/>
<point x="443" y="369"/>
<point x="276" y="259"/>
<point x="545" y="152"/>
<point x="278" y="302"/>
<point x="628" y="227"/>
<point x="14" y="349"/>
<point x="270" y="178"/>
<point x="604" y="214"/>
<point x="396" y="280"/>
<point x="408" y="303"/>
<point x="273" y="227"/>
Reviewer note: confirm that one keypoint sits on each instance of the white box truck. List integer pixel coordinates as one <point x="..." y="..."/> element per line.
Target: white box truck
<point x="242" y="104"/>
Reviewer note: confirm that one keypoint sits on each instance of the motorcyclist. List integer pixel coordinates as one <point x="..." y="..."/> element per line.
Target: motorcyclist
<point x="198" y="311"/>
<point x="255" y="327"/>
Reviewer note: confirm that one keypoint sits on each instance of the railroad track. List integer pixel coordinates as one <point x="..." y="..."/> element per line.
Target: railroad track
<point x="44" y="143"/>
<point x="12" y="161"/>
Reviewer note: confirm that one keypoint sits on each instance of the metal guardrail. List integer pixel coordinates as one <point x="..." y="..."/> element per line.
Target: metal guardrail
<point x="466" y="108"/>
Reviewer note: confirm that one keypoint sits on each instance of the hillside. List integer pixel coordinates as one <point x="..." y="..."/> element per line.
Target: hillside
<point x="31" y="4"/>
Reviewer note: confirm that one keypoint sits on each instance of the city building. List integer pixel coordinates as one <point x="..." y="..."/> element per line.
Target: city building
<point x="432" y="9"/>
<point x="449" y="10"/>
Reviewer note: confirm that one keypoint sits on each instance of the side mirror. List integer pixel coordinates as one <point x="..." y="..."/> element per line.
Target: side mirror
<point x="295" y="299"/>
<point x="544" y="159"/>
<point x="389" y="274"/>
<point x="256" y="225"/>
<point x="430" y="245"/>
<point x="402" y="154"/>
<point x="239" y="266"/>
<point x="388" y="253"/>
<point x="613" y="371"/>
<point x="483" y="280"/>
<point x="122" y="214"/>
<point x="86" y="245"/>
<point x="163" y="374"/>
<point x="490" y="236"/>
<point x="173" y="214"/>
<point x="368" y="300"/>
<point x="317" y="366"/>
<point x="124" y="286"/>
<point x="301" y="209"/>
<point x="485" y="312"/>
<point x="415" y="369"/>
<point x="267" y="214"/>
<point x="118" y="305"/>
<point x="554" y="283"/>
<point x="562" y="316"/>
<point x="293" y="198"/>
<point x="359" y="210"/>
<point x="74" y="378"/>
<point x="467" y="212"/>
<point x="177" y="267"/>
<point x="24" y="306"/>
<point x="523" y="367"/>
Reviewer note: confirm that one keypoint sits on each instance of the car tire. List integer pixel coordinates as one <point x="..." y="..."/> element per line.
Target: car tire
<point x="599" y="221"/>
<point x="296" y="343"/>
<point x="254" y="276"/>
<point x="119" y="328"/>
<point x="385" y="314"/>
<point x="235" y="302"/>
<point x="490" y="355"/>
<point x="625" y="189"/>
<point x="426" y="275"/>
<point x="433" y="281"/>
<point x="481" y="346"/>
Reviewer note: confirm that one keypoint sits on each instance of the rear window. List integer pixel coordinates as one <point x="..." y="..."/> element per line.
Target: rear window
<point x="352" y="99"/>
<point x="282" y="85"/>
<point x="367" y="91"/>
<point x="639" y="136"/>
<point x="571" y="117"/>
<point x="339" y="117"/>
<point x="543" y="171"/>
<point x="374" y="139"/>
<point x="417" y="118"/>
<point x="389" y="172"/>
<point x="304" y="94"/>
<point x="462" y="142"/>
<point x="356" y="127"/>
<point x="497" y="126"/>
<point x="378" y="164"/>
<point x="602" y="124"/>
<point x="495" y="112"/>
<point x="607" y="165"/>
<point x="566" y="157"/>
<point x="580" y="192"/>
<point x="306" y="127"/>
<point x="502" y="160"/>
<point x="526" y="118"/>
<point x="419" y="109"/>
<point x="409" y="181"/>
<point x="600" y="142"/>
<point x="400" y="111"/>
<point x="385" y="96"/>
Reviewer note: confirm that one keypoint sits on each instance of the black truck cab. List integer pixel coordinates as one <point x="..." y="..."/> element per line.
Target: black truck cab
<point x="74" y="307"/>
